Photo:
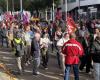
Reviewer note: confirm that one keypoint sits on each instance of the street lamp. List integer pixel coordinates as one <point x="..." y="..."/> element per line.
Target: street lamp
<point x="53" y="5"/>
<point x="79" y="10"/>
<point x="12" y="5"/>
<point x="7" y="5"/>
<point x="79" y="4"/>
<point x="66" y="9"/>
<point x="21" y="8"/>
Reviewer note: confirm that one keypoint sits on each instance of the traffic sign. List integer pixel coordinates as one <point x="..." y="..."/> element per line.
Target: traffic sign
<point x="93" y="10"/>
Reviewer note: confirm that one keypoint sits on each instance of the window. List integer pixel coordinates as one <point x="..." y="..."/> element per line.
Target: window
<point x="71" y="1"/>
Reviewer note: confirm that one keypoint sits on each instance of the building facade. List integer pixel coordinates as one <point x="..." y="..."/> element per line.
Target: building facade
<point x="87" y="8"/>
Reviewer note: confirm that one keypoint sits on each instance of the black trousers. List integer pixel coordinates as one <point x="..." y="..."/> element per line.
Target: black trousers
<point x="86" y="61"/>
<point x="45" y="57"/>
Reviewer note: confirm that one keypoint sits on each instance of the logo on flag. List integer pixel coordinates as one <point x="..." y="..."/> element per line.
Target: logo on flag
<point x="71" y="27"/>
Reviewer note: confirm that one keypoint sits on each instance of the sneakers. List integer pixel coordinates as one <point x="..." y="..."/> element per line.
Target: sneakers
<point x="89" y="73"/>
<point x="36" y="73"/>
<point x="81" y="71"/>
<point x="46" y="68"/>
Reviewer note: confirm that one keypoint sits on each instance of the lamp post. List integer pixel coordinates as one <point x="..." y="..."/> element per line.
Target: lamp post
<point x="21" y="8"/>
<point x="7" y="5"/>
<point x="79" y="9"/>
<point x="53" y="8"/>
<point x="79" y="4"/>
<point x="66" y="9"/>
<point x="13" y="6"/>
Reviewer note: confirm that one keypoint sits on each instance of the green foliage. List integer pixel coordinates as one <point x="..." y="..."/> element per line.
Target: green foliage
<point x="28" y="4"/>
<point x="3" y="5"/>
<point x="41" y="4"/>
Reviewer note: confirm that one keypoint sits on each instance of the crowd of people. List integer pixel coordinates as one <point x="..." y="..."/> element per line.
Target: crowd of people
<point x="31" y="42"/>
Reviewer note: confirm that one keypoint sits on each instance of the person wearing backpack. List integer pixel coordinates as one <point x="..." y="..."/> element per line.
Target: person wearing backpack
<point x="95" y="52"/>
<point x="19" y="51"/>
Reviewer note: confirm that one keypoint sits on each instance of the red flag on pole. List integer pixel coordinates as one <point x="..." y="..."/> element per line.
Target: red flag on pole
<point x="71" y="27"/>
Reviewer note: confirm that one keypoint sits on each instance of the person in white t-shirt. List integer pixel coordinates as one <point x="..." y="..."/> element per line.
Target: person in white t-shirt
<point x="60" y="43"/>
<point x="44" y="42"/>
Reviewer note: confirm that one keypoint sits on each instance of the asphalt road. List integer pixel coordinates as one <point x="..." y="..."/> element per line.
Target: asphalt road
<point x="53" y="72"/>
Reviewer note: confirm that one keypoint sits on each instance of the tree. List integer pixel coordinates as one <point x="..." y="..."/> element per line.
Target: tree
<point x="3" y="5"/>
<point x="39" y="4"/>
<point x="28" y="4"/>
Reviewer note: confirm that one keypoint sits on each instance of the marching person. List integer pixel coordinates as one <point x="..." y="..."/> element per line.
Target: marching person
<point x="95" y="52"/>
<point x="4" y="32"/>
<point x="58" y="36"/>
<point x="28" y="35"/>
<point x="72" y="51"/>
<point x="60" y="43"/>
<point x="19" y="51"/>
<point x="35" y="52"/>
<point x="44" y="42"/>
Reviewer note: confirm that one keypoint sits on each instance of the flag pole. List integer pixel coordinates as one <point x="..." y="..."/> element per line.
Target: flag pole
<point x="53" y="4"/>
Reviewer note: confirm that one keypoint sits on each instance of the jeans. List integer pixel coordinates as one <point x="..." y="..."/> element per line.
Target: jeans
<point x="96" y="71"/>
<point x="36" y="64"/>
<point x="67" y="72"/>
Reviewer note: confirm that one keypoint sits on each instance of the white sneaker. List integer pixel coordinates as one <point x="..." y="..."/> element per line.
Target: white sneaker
<point x="89" y="73"/>
<point x="38" y="72"/>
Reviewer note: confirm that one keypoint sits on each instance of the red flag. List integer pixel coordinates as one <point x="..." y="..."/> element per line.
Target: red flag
<point x="71" y="27"/>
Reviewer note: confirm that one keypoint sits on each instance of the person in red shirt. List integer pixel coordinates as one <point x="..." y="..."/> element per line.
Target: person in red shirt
<point x="72" y="51"/>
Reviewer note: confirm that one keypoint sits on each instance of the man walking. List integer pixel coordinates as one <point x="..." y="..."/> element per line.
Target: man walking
<point x="35" y="51"/>
<point x="72" y="51"/>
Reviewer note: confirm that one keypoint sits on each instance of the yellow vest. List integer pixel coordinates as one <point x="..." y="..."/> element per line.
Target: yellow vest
<point x="18" y="41"/>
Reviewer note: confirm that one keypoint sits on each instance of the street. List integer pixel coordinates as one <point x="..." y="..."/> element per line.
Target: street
<point x="53" y="72"/>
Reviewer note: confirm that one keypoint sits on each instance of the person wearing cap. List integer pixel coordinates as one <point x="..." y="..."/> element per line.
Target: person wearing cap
<point x="72" y="50"/>
<point x="60" y="43"/>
